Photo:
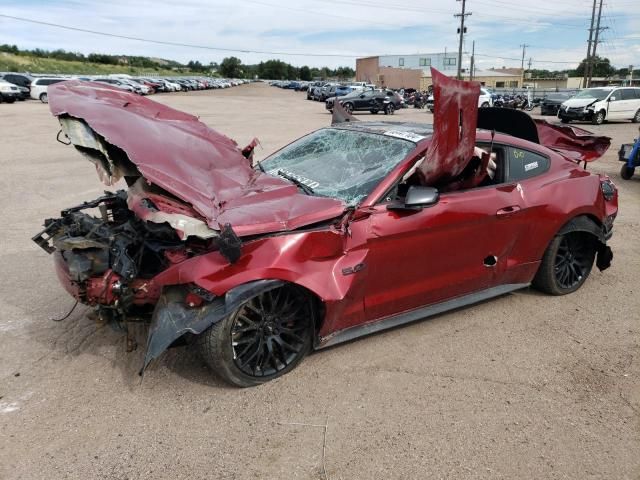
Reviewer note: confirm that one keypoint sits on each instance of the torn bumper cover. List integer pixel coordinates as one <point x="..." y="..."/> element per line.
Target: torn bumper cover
<point x="173" y="317"/>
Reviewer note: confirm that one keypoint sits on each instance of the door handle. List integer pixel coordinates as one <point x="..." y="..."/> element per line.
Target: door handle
<point x="510" y="210"/>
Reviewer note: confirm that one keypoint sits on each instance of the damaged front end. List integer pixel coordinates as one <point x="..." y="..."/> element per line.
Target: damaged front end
<point x="110" y="261"/>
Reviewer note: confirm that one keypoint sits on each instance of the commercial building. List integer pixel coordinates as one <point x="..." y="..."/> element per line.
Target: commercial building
<point x="414" y="71"/>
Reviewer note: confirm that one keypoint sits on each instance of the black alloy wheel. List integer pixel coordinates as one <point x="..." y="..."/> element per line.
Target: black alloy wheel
<point x="573" y="262"/>
<point x="566" y="263"/>
<point x="264" y="338"/>
<point x="270" y="331"/>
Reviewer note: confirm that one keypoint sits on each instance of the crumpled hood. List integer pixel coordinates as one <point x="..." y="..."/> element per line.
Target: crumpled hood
<point x="178" y="153"/>
<point x="578" y="102"/>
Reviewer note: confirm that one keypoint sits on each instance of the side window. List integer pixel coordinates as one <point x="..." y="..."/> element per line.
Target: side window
<point x="524" y="164"/>
<point x="627" y="94"/>
<point x="44" y="82"/>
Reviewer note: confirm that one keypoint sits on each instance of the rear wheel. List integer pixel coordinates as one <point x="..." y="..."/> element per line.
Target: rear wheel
<point x="374" y="112"/>
<point x="566" y="263"/>
<point x="626" y="172"/>
<point x="44" y="98"/>
<point x="565" y="120"/>
<point x="636" y="117"/>
<point x="485" y="105"/>
<point x="263" y="339"/>
<point x="389" y="109"/>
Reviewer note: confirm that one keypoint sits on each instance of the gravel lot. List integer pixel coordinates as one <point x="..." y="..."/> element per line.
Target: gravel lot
<point x="524" y="386"/>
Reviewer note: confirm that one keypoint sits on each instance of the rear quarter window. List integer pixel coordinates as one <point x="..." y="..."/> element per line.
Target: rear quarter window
<point x="525" y="164"/>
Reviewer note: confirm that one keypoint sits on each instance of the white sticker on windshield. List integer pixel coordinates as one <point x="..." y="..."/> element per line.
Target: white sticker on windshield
<point x="414" y="137"/>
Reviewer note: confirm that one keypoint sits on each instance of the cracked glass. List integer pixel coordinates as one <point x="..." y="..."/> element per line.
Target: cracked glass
<point x="339" y="163"/>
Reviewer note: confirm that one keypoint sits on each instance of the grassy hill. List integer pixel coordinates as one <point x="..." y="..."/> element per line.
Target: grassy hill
<point x="25" y="63"/>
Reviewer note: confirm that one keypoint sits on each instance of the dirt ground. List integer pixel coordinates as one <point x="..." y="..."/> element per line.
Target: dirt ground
<point x="523" y="386"/>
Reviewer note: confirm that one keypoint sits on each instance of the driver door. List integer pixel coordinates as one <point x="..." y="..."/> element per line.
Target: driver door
<point x="453" y="248"/>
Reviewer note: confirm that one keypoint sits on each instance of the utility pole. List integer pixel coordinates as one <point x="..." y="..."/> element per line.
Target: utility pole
<point x="473" y="61"/>
<point x="524" y="51"/>
<point x="595" y="42"/>
<point x="462" y="30"/>
<point x="588" y="59"/>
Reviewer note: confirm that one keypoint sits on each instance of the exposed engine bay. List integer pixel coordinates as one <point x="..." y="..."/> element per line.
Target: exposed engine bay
<point x="109" y="260"/>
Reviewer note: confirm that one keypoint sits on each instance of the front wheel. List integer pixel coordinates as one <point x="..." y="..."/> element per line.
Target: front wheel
<point x="626" y="172"/>
<point x="636" y="117"/>
<point x="598" y="118"/>
<point x="263" y="339"/>
<point x="348" y="107"/>
<point x="389" y="109"/>
<point x="565" y="120"/>
<point x="485" y="105"/>
<point x="566" y="263"/>
<point x="374" y="112"/>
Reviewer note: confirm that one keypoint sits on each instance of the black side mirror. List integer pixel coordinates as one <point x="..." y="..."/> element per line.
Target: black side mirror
<point x="417" y="198"/>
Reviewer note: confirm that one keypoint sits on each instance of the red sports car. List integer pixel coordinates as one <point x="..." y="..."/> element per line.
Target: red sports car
<point x="349" y="230"/>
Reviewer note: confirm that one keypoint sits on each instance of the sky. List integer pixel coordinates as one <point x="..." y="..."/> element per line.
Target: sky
<point x="329" y="32"/>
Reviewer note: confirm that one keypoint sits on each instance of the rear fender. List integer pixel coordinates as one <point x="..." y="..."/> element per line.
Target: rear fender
<point x="586" y="224"/>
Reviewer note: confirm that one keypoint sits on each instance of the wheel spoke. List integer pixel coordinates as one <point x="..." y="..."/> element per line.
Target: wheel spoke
<point x="270" y="332"/>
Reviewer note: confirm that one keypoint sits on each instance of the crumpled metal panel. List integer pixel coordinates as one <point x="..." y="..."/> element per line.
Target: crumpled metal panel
<point x="573" y="142"/>
<point x="180" y="154"/>
<point x="455" y="118"/>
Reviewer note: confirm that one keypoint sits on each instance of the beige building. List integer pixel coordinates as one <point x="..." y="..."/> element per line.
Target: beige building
<point x="414" y="71"/>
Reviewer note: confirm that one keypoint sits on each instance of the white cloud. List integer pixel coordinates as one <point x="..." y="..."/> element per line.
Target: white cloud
<point x="347" y="27"/>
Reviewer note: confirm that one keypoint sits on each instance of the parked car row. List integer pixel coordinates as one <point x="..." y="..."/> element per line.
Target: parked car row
<point x="20" y="86"/>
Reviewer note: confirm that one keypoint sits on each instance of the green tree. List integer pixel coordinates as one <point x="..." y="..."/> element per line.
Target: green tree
<point x="305" y="73"/>
<point x="231" y="67"/>
<point x="601" y="67"/>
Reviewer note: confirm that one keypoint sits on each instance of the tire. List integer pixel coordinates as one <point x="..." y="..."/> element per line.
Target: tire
<point x="389" y="109"/>
<point x="598" y="118"/>
<point x="44" y="98"/>
<point x="626" y="172"/>
<point x="348" y="107"/>
<point x="374" y="112"/>
<point x="265" y="338"/>
<point x="485" y="105"/>
<point x="565" y="120"/>
<point x="10" y="100"/>
<point x="566" y="263"/>
<point x="636" y="117"/>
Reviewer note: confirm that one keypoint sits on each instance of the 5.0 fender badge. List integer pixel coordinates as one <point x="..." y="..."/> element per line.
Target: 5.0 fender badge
<point x="355" y="269"/>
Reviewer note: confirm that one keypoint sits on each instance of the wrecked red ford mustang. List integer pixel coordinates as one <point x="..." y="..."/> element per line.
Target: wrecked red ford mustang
<point x="349" y="230"/>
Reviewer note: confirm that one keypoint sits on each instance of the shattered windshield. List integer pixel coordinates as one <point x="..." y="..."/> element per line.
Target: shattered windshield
<point x="597" y="93"/>
<point x="337" y="163"/>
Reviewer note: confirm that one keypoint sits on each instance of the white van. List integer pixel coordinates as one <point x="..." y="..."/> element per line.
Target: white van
<point x="600" y="104"/>
<point x="39" y="87"/>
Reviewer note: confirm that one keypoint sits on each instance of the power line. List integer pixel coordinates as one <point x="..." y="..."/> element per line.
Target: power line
<point x="175" y="44"/>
